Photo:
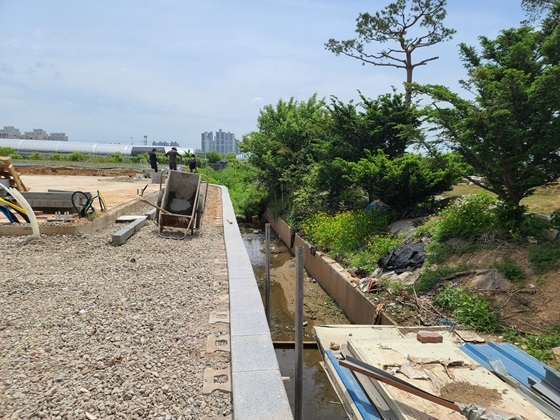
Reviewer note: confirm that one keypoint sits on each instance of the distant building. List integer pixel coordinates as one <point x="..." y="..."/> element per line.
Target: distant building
<point x="10" y="132"/>
<point x="220" y="142"/>
<point x="166" y="143"/>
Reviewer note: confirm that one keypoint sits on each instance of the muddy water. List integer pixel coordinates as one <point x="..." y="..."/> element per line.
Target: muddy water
<point x="319" y="399"/>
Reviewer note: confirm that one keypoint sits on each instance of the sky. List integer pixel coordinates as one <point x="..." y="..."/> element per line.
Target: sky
<point x="119" y="70"/>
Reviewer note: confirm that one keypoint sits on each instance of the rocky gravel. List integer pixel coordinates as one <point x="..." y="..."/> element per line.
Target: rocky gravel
<point x="89" y="330"/>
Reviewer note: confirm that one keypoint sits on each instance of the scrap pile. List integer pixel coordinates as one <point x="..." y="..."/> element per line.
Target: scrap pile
<point x="390" y="372"/>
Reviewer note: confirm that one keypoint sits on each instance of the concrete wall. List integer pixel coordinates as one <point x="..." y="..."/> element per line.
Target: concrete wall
<point x="331" y="276"/>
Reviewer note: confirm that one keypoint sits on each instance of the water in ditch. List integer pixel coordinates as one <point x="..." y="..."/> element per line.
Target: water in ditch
<point x="319" y="399"/>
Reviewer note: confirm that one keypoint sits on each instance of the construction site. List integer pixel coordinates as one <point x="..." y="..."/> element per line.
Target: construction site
<point x="124" y="297"/>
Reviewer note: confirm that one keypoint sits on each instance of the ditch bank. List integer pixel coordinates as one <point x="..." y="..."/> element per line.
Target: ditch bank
<point x="336" y="281"/>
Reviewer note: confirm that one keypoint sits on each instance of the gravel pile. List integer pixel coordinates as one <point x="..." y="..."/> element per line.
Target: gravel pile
<point x="91" y="330"/>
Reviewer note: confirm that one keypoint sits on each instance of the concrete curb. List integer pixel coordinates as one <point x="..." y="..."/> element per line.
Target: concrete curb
<point x="258" y="389"/>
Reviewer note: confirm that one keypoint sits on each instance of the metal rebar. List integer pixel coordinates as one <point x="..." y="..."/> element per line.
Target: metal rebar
<point x="267" y="278"/>
<point x="299" y="335"/>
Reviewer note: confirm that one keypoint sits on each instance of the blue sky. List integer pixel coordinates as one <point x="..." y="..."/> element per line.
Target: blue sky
<point x="109" y="70"/>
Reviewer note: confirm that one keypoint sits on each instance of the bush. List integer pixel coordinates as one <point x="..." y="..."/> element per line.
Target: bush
<point x="35" y="156"/>
<point x="365" y="261"/>
<point x="469" y="220"/>
<point x="344" y="233"/>
<point x="76" y="157"/>
<point x="6" y="151"/>
<point x="509" y="269"/>
<point x="56" y="156"/>
<point x="543" y="258"/>
<point x="468" y="310"/>
<point x="115" y="158"/>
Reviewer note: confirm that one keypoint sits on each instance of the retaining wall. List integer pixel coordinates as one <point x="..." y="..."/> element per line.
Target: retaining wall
<point x="331" y="276"/>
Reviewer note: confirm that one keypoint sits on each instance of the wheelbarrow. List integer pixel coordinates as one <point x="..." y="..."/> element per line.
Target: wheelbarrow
<point x="180" y="204"/>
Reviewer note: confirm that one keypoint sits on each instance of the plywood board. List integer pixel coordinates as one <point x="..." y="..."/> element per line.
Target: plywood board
<point x="462" y="373"/>
<point x="383" y="347"/>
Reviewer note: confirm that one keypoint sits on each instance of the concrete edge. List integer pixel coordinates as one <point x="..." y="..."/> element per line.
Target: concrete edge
<point x="86" y="227"/>
<point x="257" y="386"/>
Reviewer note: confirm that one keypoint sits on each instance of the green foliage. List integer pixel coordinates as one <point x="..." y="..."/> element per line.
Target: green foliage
<point x="56" y="157"/>
<point x="16" y="156"/>
<point x="6" y="151"/>
<point x="387" y="123"/>
<point x="538" y="346"/>
<point x="471" y="311"/>
<point x="544" y="257"/>
<point x="509" y="269"/>
<point x="142" y="158"/>
<point x="432" y="277"/>
<point x="344" y="233"/>
<point x="509" y="133"/>
<point x="247" y="196"/>
<point x="213" y="156"/>
<point x="230" y="156"/>
<point x="292" y="137"/>
<point x="115" y="158"/>
<point x="555" y="219"/>
<point x="365" y="260"/>
<point x="76" y="157"/>
<point x="402" y="182"/>
<point x="469" y="220"/>
<point x="35" y="156"/>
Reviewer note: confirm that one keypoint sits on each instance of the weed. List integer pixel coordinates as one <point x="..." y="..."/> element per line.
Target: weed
<point x="538" y="346"/>
<point x="468" y="310"/>
<point x="431" y="278"/>
<point x="509" y="269"/>
<point x="544" y="257"/>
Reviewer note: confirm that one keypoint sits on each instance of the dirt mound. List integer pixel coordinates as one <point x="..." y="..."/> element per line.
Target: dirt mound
<point x="77" y="171"/>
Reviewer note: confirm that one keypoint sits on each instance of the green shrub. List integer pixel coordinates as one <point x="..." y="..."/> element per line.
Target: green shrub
<point x="468" y="310"/>
<point x="115" y="158"/>
<point x="35" y="156"/>
<point x="544" y="257"/>
<point x="56" y="156"/>
<point x="365" y="261"/>
<point x="76" y="157"/>
<point x="469" y="220"/>
<point x="6" y="151"/>
<point x="16" y="156"/>
<point x="509" y="269"/>
<point x="344" y="233"/>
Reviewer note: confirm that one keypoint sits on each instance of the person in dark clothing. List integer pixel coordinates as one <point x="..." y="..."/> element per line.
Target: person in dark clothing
<point x="193" y="164"/>
<point x="172" y="155"/>
<point x="153" y="159"/>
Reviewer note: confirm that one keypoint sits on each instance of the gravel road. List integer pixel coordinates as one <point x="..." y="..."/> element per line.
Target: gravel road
<point x="90" y="330"/>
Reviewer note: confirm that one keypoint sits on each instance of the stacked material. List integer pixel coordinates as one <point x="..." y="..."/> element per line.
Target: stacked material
<point x="414" y="373"/>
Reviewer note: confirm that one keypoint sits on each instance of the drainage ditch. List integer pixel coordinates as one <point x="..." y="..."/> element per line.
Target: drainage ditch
<point x="319" y="398"/>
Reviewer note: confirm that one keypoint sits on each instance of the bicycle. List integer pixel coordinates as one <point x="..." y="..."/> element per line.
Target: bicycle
<point x="87" y="209"/>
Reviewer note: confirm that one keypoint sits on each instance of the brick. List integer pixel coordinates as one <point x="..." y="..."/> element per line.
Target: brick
<point x="429" y="337"/>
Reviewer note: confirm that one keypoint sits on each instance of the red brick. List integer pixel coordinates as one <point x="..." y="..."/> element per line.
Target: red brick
<point x="429" y="337"/>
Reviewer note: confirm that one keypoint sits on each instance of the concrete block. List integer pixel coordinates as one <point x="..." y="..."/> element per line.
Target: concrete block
<point x="429" y="337"/>
<point x="122" y="235"/>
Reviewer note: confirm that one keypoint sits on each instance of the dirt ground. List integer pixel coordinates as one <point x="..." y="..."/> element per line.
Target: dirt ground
<point x="76" y="171"/>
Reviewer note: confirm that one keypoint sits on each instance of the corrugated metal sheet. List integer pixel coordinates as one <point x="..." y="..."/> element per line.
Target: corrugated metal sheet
<point x="519" y="364"/>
